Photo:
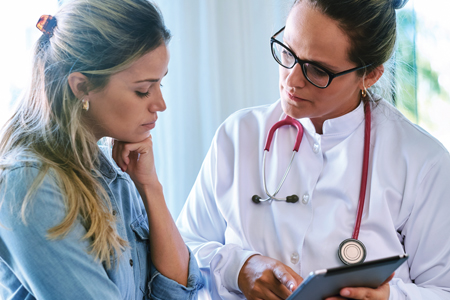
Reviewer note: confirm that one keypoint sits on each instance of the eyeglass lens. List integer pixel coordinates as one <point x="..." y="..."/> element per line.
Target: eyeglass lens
<point x="314" y="74"/>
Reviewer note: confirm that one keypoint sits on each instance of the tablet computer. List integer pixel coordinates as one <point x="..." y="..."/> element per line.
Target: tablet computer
<point x="328" y="282"/>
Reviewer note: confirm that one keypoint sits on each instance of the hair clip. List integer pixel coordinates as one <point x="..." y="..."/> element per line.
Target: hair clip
<point x="46" y="24"/>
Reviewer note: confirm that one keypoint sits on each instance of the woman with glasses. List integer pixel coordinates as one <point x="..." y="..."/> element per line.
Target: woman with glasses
<point x="77" y="221"/>
<point x="365" y="184"/>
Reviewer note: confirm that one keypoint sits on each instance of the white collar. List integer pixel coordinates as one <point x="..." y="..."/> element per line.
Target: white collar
<point x="341" y="126"/>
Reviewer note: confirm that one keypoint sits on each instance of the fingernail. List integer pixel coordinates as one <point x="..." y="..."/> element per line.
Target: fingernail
<point x="291" y="287"/>
<point x="345" y="293"/>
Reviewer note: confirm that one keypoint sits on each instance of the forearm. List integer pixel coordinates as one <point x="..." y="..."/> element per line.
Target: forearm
<point x="168" y="251"/>
<point x="223" y="263"/>
<point x="400" y="290"/>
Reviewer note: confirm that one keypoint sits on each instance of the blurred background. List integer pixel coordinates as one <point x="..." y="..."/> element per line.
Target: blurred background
<point x="221" y="62"/>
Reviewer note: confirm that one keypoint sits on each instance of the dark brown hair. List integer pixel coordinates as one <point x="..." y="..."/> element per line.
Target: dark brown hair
<point x="369" y="24"/>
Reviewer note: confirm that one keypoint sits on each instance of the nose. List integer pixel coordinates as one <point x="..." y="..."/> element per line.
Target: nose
<point x="158" y="103"/>
<point x="295" y="77"/>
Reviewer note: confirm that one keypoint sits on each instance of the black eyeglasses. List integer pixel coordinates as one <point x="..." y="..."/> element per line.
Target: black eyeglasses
<point x="314" y="73"/>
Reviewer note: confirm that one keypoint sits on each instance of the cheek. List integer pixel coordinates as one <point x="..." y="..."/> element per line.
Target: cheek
<point x="283" y="73"/>
<point x="121" y="103"/>
<point x="343" y="89"/>
<point x="282" y="80"/>
<point x="114" y="107"/>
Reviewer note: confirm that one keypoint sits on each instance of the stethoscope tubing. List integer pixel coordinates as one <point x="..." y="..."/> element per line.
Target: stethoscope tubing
<point x="348" y="247"/>
<point x="286" y="121"/>
<point x="272" y="197"/>
<point x="365" y="170"/>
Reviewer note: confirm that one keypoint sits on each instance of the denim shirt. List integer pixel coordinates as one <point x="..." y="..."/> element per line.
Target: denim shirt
<point x="35" y="267"/>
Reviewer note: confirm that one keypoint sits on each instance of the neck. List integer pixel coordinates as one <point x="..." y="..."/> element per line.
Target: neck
<point x="318" y="122"/>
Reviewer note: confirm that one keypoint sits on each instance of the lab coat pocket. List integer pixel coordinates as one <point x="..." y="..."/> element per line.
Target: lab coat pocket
<point x="141" y="245"/>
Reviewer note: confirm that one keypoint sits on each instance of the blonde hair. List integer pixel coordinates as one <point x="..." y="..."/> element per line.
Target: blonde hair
<point x="97" y="38"/>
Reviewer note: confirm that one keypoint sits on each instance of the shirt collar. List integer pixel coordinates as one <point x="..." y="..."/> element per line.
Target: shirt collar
<point x="340" y="126"/>
<point x="106" y="167"/>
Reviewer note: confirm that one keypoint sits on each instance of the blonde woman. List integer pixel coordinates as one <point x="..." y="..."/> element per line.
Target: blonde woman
<point x="74" y="223"/>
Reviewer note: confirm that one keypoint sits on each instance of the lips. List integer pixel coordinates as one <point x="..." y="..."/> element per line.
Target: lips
<point x="149" y="125"/>
<point x="295" y="98"/>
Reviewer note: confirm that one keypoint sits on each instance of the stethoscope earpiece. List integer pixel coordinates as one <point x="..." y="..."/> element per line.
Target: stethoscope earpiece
<point x="292" y="199"/>
<point x="256" y="199"/>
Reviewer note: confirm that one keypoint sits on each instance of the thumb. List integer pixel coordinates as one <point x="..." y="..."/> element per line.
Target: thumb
<point x="389" y="279"/>
<point x="297" y="279"/>
<point x="284" y="275"/>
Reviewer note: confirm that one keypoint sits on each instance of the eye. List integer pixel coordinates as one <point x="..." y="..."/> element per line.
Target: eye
<point x="286" y="53"/>
<point x="142" y="95"/>
<point x="315" y="71"/>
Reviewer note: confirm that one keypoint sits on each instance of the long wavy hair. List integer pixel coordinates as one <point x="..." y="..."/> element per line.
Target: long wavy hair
<point x="97" y="38"/>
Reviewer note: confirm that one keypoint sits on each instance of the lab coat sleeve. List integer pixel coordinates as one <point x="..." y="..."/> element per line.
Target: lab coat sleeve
<point x="426" y="237"/>
<point x="203" y="225"/>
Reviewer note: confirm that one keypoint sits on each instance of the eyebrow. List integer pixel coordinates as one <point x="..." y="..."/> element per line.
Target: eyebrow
<point x="319" y="63"/>
<point x="151" y="80"/>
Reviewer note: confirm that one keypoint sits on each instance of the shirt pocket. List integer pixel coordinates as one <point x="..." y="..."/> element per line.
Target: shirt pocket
<point x="141" y="250"/>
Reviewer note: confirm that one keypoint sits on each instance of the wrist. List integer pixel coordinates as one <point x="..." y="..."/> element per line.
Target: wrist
<point x="241" y="274"/>
<point x="150" y="190"/>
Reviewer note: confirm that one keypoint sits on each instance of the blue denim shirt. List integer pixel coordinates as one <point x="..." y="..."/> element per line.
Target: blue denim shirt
<point x="34" y="267"/>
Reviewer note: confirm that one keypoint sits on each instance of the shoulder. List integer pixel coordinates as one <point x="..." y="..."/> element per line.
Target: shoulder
<point x="29" y="180"/>
<point x="390" y="122"/>
<point x="404" y="143"/>
<point x="251" y="119"/>
<point x="22" y="173"/>
<point x="245" y="129"/>
<point x="254" y="113"/>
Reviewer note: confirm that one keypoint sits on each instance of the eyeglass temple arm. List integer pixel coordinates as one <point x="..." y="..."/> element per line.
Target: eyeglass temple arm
<point x="351" y="70"/>
<point x="278" y="32"/>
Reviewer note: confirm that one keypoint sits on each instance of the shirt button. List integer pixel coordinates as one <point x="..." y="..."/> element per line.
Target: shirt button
<point x="114" y="212"/>
<point x="294" y="258"/>
<point x="305" y="199"/>
<point x="316" y="148"/>
<point x="131" y="262"/>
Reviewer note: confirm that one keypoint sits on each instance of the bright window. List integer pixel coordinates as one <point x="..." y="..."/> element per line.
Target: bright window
<point x="19" y="33"/>
<point x="423" y="63"/>
<point x="423" y="67"/>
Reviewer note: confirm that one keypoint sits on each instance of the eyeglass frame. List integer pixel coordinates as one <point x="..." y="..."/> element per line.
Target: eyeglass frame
<point x="301" y="62"/>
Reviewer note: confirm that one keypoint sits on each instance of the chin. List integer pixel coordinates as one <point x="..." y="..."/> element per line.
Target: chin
<point x="133" y="138"/>
<point x="291" y="110"/>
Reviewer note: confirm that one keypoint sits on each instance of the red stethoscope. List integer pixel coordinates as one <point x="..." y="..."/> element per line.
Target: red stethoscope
<point x="351" y="251"/>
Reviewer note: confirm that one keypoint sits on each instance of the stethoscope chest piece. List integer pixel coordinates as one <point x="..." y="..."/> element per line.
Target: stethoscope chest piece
<point x="352" y="252"/>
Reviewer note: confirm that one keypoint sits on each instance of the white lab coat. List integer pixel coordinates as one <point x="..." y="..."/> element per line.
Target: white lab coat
<point x="407" y="206"/>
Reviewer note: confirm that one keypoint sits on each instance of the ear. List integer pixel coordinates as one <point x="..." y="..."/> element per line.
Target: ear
<point x="371" y="78"/>
<point x="78" y="84"/>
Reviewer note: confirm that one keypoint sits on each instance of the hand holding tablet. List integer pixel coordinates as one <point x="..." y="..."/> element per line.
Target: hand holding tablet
<point x="326" y="283"/>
